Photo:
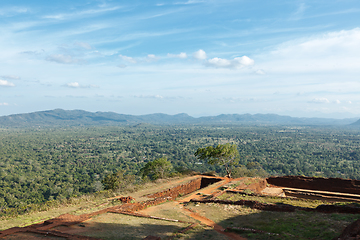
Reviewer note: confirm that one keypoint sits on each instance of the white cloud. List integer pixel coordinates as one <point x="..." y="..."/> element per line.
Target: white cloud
<point x="319" y="100"/>
<point x="151" y="57"/>
<point x="326" y="52"/>
<point x="189" y="2"/>
<point x="337" y="101"/>
<point x="333" y="42"/>
<point x="219" y="62"/>
<point x="11" y="77"/>
<point x="67" y="16"/>
<point x="235" y="99"/>
<point x="12" y="11"/>
<point x="244" y="60"/>
<point x="6" y="83"/>
<point x="121" y="66"/>
<point x="72" y="96"/>
<point x="150" y="96"/>
<point x="181" y="55"/>
<point x="30" y="52"/>
<point x="4" y="104"/>
<point x="260" y="72"/>
<point x="127" y="59"/>
<point x="62" y="58"/>
<point x="83" y="45"/>
<point x="73" y="85"/>
<point x="201" y="54"/>
<point x="299" y="12"/>
<point x="78" y="85"/>
<point x="235" y="63"/>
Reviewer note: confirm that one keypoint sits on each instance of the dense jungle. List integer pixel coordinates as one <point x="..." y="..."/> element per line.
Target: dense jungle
<point x="42" y="165"/>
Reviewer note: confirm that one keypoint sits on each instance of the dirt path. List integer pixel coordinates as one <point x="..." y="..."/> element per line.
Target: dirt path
<point x="210" y="190"/>
<point x="212" y="224"/>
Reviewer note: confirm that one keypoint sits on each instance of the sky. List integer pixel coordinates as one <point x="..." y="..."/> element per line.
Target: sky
<point x="200" y="57"/>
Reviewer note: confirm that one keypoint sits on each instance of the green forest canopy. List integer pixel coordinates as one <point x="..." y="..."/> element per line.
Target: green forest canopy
<point x="38" y="165"/>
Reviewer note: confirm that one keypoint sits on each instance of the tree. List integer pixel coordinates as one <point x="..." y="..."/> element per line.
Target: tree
<point x="252" y="169"/>
<point x="225" y="155"/>
<point x="158" y="168"/>
<point x="117" y="180"/>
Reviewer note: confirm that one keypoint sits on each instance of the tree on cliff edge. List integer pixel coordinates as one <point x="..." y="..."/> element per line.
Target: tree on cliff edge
<point x="158" y="168"/>
<point x="225" y="155"/>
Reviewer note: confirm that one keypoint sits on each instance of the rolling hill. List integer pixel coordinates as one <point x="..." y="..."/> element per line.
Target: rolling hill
<point x="60" y="117"/>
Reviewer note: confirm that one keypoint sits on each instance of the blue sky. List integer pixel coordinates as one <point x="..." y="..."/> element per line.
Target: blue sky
<point x="297" y="58"/>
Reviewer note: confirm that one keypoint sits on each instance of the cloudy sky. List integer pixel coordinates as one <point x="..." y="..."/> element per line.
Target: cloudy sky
<point x="201" y="57"/>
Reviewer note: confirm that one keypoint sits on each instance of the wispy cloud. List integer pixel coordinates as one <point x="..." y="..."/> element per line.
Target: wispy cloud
<point x="135" y="49"/>
<point x="4" y="104"/>
<point x="10" y="11"/>
<point x="83" y="45"/>
<point x="11" y="77"/>
<point x="151" y="58"/>
<point x="236" y="63"/>
<point x="180" y="55"/>
<point x="150" y="96"/>
<point x="235" y="99"/>
<point x="78" y="85"/>
<point x="189" y="2"/>
<point x="332" y="51"/>
<point x="260" y="72"/>
<point x="158" y="97"/>
<point x="341" y="12"/>
<point x="5" y="83"/>
<point x="63" y="59"/>
<point x="79" y="14"/>
<point x="147" y="59"/>
<point x="298" y="14"/>
<point x="319" y="100"/>
<point x="128" y="59"/>
<point x="75" y="96"/>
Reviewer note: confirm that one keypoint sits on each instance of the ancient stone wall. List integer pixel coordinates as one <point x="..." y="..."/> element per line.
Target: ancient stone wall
<point x="182" y="189"/>
<point x="320" y="184"/>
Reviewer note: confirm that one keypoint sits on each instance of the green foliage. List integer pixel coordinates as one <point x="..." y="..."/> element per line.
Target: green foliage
<point x="118" y="180"/>
<point x="252" y="169"/>
<point x="225" y="155"/>
<point x="159" y="168"/>
<point x="41" y="165"/>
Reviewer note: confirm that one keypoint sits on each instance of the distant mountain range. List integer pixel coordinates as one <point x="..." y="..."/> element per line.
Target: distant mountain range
<point x="60" y="117"/>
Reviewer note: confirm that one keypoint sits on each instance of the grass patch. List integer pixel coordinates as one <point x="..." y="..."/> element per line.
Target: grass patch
<point x="295" y="225"/>
<point x="118" y="226"/>
<point x="199" y="233"/>
<point x="275" y="200"/>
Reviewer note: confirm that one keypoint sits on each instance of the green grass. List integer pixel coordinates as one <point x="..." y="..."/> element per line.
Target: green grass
<point x="293" y="225"/>
<point x="275" y="200"/>
<point x="117" y="226"/>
